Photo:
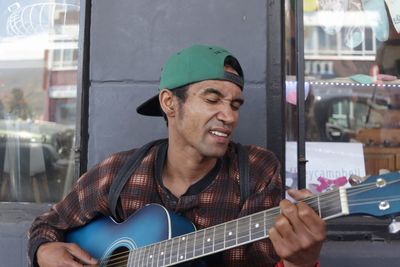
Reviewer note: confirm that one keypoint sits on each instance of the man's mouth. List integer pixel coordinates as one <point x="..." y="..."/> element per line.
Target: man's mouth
<point x="219" y="133"/>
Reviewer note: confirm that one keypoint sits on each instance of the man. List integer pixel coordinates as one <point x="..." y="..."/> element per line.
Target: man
<point x="195" y="173"/>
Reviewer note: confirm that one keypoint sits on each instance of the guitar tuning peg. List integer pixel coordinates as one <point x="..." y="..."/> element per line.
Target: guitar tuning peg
<point x="355" y="179"/>
<point x="394" y="226"/>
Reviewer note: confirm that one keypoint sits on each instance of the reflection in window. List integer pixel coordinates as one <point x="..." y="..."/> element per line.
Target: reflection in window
<point x="63" y="58"/>
<point x="352" y="67"/>
<point x="38" y="61"/>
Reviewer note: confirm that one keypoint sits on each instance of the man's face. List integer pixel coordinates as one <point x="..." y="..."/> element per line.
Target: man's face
<point x="204" y="123"/>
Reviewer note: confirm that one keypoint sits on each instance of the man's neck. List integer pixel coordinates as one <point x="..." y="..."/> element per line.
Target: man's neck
<point x="183" y="168"/>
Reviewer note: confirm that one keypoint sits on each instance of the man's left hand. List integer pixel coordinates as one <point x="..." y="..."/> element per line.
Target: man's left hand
<point x="298" y="233"/>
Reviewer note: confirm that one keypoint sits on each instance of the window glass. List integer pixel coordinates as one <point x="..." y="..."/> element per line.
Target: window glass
<point x="352" y="74"/>
<point x="38" y="62"/>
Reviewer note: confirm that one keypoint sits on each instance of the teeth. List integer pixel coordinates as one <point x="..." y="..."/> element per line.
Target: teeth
<point x="219" y="133"/>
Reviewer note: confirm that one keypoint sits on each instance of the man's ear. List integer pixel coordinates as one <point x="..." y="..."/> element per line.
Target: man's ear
<point x="167" y="104"/>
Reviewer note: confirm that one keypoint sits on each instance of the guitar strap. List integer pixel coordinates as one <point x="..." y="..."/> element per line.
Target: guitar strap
<point x="125" y="173"/>
<point x="243" y="162"/>
<point x="133" y="163"/>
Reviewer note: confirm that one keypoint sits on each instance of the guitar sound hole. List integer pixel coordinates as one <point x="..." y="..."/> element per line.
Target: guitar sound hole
<point x="118" y="256"/>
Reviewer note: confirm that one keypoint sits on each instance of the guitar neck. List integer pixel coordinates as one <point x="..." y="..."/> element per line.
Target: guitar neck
<point x="231" y="234"/>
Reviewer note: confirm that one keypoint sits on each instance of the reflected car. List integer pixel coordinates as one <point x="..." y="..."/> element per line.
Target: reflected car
<point x="341" y="108"/>
<point x="34" y="157"/>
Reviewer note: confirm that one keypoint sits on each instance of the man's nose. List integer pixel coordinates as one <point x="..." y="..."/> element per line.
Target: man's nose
<point x="227" y="114"/>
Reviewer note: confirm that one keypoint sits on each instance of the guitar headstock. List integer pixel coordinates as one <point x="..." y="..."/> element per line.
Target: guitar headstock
<point x="378" y="195"/>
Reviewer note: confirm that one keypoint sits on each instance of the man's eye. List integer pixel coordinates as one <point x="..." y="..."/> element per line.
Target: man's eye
<point x="212" y="100"/>
<point x="236" y="106"/>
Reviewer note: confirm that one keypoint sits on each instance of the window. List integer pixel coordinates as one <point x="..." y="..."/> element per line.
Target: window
<point x="352" y="73"/>
<point x="38" y="61"/>
<point x="63" y="58"/>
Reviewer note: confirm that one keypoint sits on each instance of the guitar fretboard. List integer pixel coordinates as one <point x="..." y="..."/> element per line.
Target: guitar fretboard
<point x="230" y="234"/>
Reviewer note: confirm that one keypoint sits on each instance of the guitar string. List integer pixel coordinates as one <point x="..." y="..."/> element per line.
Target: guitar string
<point x="175" y="258"/>
<point x="206" y="247"/>
<point x="374" y="201"/>
<point x="352" y="193"/>
<point x="200" y="232"/>
<point x="168" y="258"/>
<point x="354" y="190"/>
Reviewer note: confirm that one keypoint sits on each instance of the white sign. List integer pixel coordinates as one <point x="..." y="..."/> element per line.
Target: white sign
<point x="63" y="91"/>
<point x="330" y="164"/>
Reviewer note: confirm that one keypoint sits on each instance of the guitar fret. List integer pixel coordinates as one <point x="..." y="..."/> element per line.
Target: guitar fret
<point x="174" y="252"/>
<point x="167" y="254"/>
<point x="314" y="205"/>
<point x="178" y="254"/>
<point x="269" y="220"/>
<point x="190" y="245"/>
<point x="131" y="258"/>
<point x="182" y="248"/>
<point x="329" y="208"/>
<point x="156" y="248"/>
<point x="199" y="243"/>
<point x="144" y="257"/>
<point x="257" y="226"/>
<point x="159" y="256"/>
<point x="208" y="240"/>
<point x="135" y="259"/>
<point x="147" y="255"/>
<point x="153" y="254"/>
<point x="143" y="261"/>
<point x="164" y="252"/>
<point x="230" y="234"/>
<point x="186" y="237"/>
<point x="266" y="226"/>
<point x="244" y="233"/>
<point x="141" y="257"/>
<point x="219" y="239"/>
<point x="213" y="239"/>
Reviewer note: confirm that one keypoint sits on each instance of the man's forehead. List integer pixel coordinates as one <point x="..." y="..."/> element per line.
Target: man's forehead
<point x="223" y="87"/>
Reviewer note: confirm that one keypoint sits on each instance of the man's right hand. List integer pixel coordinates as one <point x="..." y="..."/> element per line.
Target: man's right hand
<point x="63" y="254"/>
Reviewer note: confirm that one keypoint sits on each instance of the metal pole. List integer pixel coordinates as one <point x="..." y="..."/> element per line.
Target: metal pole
<point x="275" y="93"/>
<point x="299" y="48"/>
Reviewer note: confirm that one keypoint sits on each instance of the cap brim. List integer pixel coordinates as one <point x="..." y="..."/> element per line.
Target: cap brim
<point x="150" y="108"/>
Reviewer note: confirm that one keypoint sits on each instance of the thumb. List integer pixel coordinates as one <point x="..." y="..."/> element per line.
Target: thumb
<point x="80" y="254"/>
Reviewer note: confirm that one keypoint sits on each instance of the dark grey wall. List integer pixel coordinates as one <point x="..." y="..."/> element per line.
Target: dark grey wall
<point x="130" y="40"/>
<point x="15" y="219"/>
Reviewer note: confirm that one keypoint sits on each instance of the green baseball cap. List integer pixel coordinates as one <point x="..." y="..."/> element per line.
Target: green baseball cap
<point x="193" y="64"/>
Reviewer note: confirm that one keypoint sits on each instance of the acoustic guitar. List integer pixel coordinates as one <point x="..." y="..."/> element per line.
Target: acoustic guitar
<point x="154" y="236"/>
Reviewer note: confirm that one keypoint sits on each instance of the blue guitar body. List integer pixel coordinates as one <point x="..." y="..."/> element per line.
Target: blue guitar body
<point x="151" y="224"/>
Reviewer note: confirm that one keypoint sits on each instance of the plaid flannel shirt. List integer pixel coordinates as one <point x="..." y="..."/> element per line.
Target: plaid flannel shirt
<point x="212" y="200"/>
